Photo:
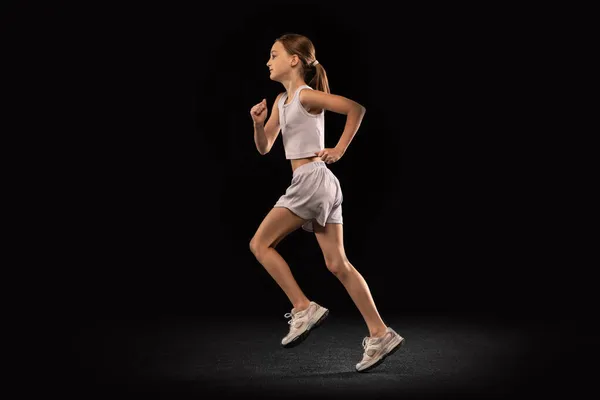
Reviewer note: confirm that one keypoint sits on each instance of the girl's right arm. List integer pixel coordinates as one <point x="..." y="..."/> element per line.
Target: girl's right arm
<point x="265" y="135"/>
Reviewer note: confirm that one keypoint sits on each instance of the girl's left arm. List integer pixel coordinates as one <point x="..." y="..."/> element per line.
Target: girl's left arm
<point x="316" y="99"/>
<point x="353" y="120"/>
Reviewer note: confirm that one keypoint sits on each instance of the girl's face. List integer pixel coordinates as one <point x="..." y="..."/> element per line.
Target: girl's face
<point x="280" y="62"/>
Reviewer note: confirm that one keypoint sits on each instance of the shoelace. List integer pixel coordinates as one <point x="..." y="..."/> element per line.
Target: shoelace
<point x="294" y="318"/>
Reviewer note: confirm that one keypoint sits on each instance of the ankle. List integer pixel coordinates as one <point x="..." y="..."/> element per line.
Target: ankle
<point x="378" y="332"/>
<point x="301" y="306"/>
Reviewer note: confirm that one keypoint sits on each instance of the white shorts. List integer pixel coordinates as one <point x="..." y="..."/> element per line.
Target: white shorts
<point x="315" y="195"/>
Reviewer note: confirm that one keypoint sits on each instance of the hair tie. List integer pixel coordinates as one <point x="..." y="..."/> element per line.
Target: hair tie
<point x="312" y="64"/>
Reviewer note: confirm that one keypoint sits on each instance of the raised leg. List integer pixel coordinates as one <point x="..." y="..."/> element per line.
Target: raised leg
<point x="277" y="224"/>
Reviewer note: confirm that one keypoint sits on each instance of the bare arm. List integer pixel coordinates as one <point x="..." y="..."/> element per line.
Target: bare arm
<point x="265" y="135"/>
<point x="354" y="112"/>
<point x="260" y="138"/>
<point x="353" y="121"/>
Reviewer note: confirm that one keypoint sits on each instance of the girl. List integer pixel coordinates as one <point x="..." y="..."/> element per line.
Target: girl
<point x="313" y="201"/>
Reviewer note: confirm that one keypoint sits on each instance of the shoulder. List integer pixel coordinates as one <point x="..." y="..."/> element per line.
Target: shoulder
<point x="316" y="99"/>
<point x="278" y="99"/>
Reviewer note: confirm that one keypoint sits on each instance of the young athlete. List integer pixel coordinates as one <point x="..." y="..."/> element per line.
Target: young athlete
<point x="313" y="201"/>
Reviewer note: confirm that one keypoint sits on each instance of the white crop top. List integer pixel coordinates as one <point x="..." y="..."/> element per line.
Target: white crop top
<point x="303" y="133"/>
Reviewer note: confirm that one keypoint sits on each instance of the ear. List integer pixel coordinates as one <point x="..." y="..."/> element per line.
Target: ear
<point x="295" y="60"/>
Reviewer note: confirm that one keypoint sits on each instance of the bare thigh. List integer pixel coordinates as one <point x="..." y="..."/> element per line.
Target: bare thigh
<point x="331" y="240"/>
<point x="276" y="225"/>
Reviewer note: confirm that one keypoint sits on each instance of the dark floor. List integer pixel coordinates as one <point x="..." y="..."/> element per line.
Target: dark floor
<point x="236" y="357"/>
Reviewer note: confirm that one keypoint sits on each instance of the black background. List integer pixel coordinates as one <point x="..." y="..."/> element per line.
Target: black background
<point x="154" y="188"/>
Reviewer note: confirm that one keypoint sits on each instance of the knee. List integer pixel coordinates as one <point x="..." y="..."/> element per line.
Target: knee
<point x="256" y="247"/>
<point x="340" y="267"/>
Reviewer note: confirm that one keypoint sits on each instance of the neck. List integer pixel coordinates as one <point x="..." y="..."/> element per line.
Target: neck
<point x="292" y="84"/>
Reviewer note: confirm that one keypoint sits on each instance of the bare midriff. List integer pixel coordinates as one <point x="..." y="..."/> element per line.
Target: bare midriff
<point x="301" y="161"/>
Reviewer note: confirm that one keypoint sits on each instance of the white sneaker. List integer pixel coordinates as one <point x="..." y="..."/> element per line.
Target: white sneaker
<point x="378" y="348"/>
<point x="302" y="322"/>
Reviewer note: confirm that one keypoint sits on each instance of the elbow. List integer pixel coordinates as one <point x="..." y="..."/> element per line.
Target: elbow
<point x="266" y="150"/>
<point x="263" y="152"/>
<point x="360" y="109"/>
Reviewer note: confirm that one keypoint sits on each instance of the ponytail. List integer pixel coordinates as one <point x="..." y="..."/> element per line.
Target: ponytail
<point x="319" y="80"/>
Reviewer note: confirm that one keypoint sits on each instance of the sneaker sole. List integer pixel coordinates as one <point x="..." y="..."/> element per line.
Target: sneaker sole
<point x="389" y="353"/>
<point x="300" y="338"/>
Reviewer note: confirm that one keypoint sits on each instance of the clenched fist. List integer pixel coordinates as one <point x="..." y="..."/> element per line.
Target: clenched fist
<point x="259" y="112"/>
